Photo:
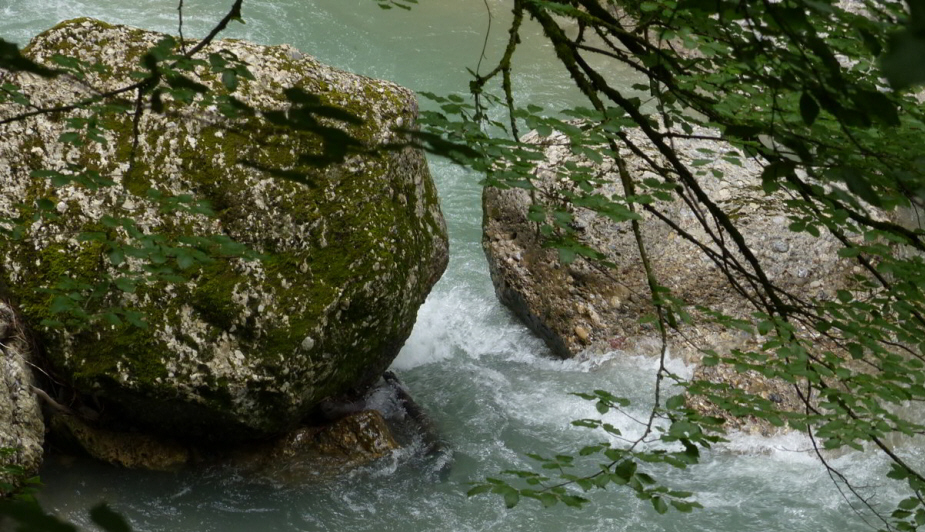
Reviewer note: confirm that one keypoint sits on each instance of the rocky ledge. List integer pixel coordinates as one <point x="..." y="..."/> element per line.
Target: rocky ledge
<point x="583" y="307"/>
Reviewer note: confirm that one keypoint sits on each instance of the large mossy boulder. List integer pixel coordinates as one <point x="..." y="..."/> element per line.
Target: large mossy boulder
<point x="243" y="347"/>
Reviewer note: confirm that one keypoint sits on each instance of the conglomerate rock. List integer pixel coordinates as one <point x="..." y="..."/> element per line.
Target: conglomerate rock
<point x="586" y="308"/>
<point x="22" y="431"/>
<point x="243" y="347"/>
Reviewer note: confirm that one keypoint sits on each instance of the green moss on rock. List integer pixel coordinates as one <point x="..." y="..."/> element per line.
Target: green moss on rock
<point x="242" y="348"/>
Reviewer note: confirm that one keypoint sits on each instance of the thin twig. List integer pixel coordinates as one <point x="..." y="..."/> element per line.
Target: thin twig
<point x="180" y="27"/>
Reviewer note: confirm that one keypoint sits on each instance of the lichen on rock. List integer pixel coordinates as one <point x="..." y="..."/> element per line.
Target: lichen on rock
<point x="243" y="347"/>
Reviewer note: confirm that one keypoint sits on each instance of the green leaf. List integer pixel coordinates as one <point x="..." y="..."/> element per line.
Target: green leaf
<point x="125" y="284"/>
<point x="511" y="497"/>
<point x="871" y="41"/>
<point x="230" y="80"/>
<point x="859" y="184"/>
<point x="217" y="61"/>
<point x="902" y="64"/>
<point x="809" y="109"/>
<point x="909" y="504"/>
<point x="879" y="105"/>
<point x="765" y="327"/>
<point x="625" y="470"/>
<point x="548" y="499"/>
<point x="849" y="253"/>
<point x="482" y="488"/>
<point x="11" y="59"/>
<point x="117" y="256"/>
<point x="109" y="520"/>
<point x="675" y="402"/>
<point x="61" y="304"/>
<point x="659" y="504"/>
<point x="136" y="319"/>
<point x="71" y="137"/>
<point x="46" y="204"/>
<point x="573" y="501"/>
<point x="185" y="261"/>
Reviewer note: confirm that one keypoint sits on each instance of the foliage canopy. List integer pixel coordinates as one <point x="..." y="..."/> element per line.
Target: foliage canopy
<point x="817" y="93"/>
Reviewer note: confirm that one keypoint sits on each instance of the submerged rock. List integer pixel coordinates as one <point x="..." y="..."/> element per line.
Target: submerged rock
<point x="419" y="421"/>
<point x="243" y="348"/>
<point x="131" y="450"/>
<point x="358" y="432"/>
<point x="306" y="453"/>
<point x="317" y="453"/>
<point x="22" y="431"/>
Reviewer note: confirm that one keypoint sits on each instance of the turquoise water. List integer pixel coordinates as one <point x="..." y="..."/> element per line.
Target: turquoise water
<point x="491" y="387"/>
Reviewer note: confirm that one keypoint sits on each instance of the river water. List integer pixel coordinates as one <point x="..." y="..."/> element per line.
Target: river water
<point x="491" y="388"/>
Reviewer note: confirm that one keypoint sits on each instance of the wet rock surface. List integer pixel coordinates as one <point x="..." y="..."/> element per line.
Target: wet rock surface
<point x="131" y="450"/>
<point x="317" y="453"/>
<point x="383" y="421"/>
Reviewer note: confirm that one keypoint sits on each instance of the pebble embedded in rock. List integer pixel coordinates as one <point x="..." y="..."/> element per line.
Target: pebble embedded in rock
<point x="308" y="343"/>
<point x="582" y="333"/>
<point x="780" y="246"/>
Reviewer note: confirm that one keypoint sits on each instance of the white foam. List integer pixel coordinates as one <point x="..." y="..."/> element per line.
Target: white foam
<point x="455" y="321"/>
<point x="791" y="447"/>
